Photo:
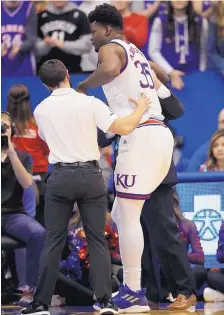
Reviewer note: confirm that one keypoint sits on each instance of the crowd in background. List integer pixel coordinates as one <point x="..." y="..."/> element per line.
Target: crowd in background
<point x="180" y="36"/>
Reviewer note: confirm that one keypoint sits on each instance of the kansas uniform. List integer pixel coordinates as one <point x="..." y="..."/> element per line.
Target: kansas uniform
<point x="67" y="27"/>
<point x="13" y="33"/>
<point x="144" y="156"/>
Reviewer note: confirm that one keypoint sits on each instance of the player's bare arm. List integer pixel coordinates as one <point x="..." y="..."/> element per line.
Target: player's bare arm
<point x="160" y="73"/>
<point x="110" y="64"/>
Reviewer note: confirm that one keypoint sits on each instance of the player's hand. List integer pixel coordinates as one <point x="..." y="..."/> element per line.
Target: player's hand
<point x="14" y="51"/>
<point x="176" y="80"/>
<point x="143" y="102"/>
<point x="81" y="88"/>
<point x="4" y="49"/>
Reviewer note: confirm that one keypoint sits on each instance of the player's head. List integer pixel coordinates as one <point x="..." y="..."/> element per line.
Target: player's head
<point x="221" y="120"/>
<point x="53" y="74"/>
<point x="105" y="24"/>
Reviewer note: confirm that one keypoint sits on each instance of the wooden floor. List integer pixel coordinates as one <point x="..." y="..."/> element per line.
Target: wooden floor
<point x="202" y="309"/>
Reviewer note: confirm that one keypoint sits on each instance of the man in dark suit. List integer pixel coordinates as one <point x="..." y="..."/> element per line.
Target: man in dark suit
<point x="161" y="235"/>
<point x="162" y="238"/>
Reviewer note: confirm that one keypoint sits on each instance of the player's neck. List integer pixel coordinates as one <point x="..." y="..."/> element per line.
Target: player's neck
<point x="118" y="36"/>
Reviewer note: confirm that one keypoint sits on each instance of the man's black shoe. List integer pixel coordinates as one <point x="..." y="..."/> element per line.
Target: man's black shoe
<point x="35" y="308"/>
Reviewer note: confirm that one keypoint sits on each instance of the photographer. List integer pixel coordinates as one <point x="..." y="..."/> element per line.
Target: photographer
<point x="16" y="176"/>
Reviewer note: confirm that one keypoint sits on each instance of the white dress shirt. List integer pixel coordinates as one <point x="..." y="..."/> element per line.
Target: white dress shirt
<point x="68" y="122"/>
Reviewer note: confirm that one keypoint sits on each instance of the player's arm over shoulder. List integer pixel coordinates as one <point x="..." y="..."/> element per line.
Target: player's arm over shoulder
<point x="110" y="59"/>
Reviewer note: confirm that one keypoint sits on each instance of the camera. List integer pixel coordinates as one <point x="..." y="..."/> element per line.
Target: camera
<point x="4" y="139"/>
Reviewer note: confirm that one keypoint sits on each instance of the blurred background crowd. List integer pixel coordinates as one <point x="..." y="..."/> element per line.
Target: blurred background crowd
<point x="186" y="39"/>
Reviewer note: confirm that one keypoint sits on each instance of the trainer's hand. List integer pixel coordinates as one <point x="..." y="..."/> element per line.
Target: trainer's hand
<point x="143" y="102"/>
<point x="81" y="88"/>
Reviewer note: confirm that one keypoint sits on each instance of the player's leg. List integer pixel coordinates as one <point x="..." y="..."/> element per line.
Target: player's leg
<point x="126" y="214"/>
<point x="130" y="240"/>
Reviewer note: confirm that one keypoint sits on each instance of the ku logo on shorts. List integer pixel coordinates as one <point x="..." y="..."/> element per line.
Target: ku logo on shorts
<point x="126" y="181"/>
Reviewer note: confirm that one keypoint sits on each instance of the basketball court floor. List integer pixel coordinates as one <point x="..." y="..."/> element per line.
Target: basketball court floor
<point x="202" y="309"/>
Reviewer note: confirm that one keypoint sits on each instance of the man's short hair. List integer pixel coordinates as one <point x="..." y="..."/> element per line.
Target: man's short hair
<point x="106" y="14"/>
<point x="52" y="72"/>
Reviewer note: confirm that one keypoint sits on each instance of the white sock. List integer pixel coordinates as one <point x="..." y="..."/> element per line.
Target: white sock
<point x="126" y="214"/>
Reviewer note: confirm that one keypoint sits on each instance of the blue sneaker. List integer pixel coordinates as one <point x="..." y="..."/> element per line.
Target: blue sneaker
<point x="129" y="301"/>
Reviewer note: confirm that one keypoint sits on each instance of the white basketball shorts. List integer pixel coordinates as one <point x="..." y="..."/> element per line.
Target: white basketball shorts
<point x="143" y="161"/>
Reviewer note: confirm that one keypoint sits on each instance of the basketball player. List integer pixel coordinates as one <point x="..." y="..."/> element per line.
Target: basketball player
<point x="19" y="23"/>
<point x="144" y="156"/>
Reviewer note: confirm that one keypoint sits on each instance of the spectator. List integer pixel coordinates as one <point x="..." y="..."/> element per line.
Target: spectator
<point x="215" y="277"/>
<point x="16" y="176"/>
<point x="63" y="33"/>
<point x="153" y="7"/>
<point x="178" y="41"/>
<point x="89" y="60"/>
<point x="215" y="46"/>
<point x="201" y="154"/>
<point x="19" y="31"/>
<point x="203" y="8"/>
<point x="189" y="233"/>
<point x="135" y="26"/>
<point x="215" y="160"/>
<point x="27" y="139"/>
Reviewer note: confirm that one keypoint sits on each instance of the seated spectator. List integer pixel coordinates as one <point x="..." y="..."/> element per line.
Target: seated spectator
<point x="63" y="33"/>
<point x="215" y="160"/>
<point x="135" y="26"/>
<point x="215" y="45"/>
<point x="189" y="233"/>
<point x="19" y="32"/>
<point x="201" y="154"/>
<point x="178" y="41"/>
<point x="76" y="265"/>
<point x="16" y="176"/>
<point x="27" y="139"/>
<point x="203" y="8"/>
<point x="215" y="277"/>
<point x="29" y="203"/>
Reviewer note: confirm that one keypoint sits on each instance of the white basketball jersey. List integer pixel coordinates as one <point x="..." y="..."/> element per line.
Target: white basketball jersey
<point x="135" y="78"/>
